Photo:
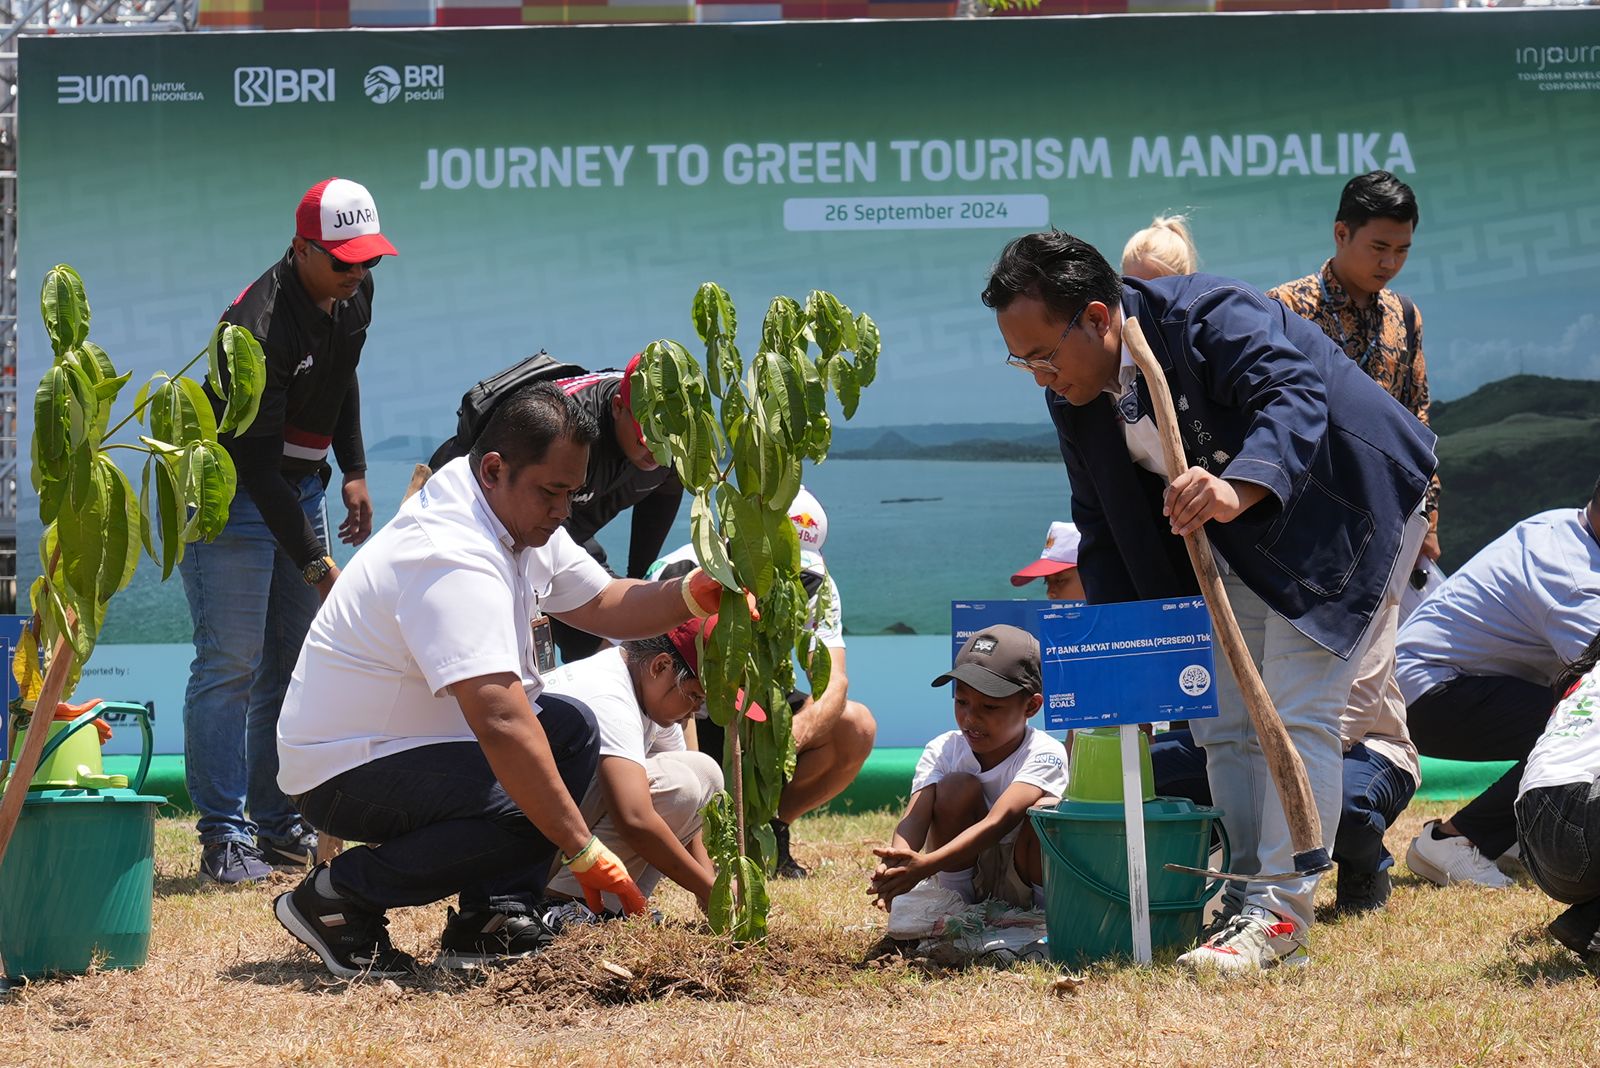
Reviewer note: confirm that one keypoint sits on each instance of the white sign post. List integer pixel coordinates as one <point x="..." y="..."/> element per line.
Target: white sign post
<point x="1138" y="865"/>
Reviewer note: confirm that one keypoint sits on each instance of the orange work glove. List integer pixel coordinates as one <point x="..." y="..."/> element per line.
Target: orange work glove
<point x="598" y="871"/>
<point x="703" y="594"/>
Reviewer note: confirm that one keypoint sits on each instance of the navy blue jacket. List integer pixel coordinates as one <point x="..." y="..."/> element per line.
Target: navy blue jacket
<point x="1262" y="396"/>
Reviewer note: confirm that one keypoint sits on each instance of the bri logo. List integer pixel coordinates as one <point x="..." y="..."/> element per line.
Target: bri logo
<point x="259" y="87"/>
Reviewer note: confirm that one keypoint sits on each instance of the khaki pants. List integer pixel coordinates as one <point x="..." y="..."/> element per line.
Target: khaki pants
<point x="681" y="784"/>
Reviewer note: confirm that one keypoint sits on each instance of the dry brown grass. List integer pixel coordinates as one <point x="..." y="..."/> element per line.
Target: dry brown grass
<point x="1457" y="976"/>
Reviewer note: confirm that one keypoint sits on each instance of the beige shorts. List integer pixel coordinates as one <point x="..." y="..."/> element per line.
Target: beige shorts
<point x="995" y="876"/>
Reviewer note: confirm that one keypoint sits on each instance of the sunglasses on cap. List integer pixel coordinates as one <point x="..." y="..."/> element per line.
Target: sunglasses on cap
<point x="340" y="266"/>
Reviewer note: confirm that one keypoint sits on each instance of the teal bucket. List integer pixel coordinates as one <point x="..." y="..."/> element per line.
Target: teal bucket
<point x="78" y="881"/>
<point x="1084" y="845"/>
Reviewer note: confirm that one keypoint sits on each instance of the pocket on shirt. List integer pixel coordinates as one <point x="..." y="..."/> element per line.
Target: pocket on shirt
<point x="1320" y="538"/>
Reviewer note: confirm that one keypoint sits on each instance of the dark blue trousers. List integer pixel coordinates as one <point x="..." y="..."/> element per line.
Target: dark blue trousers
<point x="437" y="822"/>
<point x="1375" y="793"/>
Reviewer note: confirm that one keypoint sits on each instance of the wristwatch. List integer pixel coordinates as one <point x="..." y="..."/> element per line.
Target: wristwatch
<point x="317" y="570"/>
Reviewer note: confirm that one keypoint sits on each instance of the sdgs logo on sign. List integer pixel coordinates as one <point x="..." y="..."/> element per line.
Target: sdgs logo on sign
<point x="414" y="81"/>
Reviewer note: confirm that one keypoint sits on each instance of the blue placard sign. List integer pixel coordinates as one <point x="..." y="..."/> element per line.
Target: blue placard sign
<point x="969" y="617"/>
<point x="10" y="634"/>
<point x="1137" y="662"/>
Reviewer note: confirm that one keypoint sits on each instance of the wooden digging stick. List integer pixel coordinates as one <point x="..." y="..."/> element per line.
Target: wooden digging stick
<point x="44" y="712"/>
<point x="328" y="846"/>
<point x="1288" y="771"/>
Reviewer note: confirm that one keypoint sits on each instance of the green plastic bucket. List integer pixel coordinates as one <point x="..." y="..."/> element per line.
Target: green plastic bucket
<point x="1085" y="850"/>
<point x="77" y="883"/>
<point x="1094" y="768"/>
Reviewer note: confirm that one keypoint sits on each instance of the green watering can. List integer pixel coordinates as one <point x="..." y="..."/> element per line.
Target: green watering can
<point x="78" y="881"/>
<point x="71" y="756"/>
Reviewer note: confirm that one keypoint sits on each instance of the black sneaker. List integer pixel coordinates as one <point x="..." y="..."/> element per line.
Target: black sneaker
<point x="788" y="867"/>
<point x="232" y="863"/>
<point x="1578" y="929"/>
<point x="483" y="936"/>
<point x="293" y="854"/>
<point x="1361" y="891"/>
<point x="559" y="916"/>
<point x="351" y="941"/>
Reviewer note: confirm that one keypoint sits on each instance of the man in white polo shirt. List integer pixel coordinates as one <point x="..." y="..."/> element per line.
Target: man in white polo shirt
<point x="414" y="720"/>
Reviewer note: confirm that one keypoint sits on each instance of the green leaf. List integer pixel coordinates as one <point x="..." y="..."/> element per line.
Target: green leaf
<point x="868" y="345"/>
<point x="247" y="377"/>
<point x="122" y="532"/>
<point x="825" y="314"/>
<point x="80" y="476"/>
<point x="747" y="539"/>
<point x="782" y="325"/>
<point x="713" y="312"/>
<point x="146" y="537"/>
<point x="81" y="529"/>
<point x="847" y="385"/>
<point x="211" y="486"/>
<point x="781" y="536"/>
<point x="65" y="309"/>
<point x="199" y="420"/>
<point x="756" y="904"/>
<point x="708" y="546"/>
<point x="169" y="514"/>
<point x="52" y="419"/>
<point x="725" y="654"/>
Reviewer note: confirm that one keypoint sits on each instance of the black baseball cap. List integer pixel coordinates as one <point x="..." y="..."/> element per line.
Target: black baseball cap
<point x="998" y="661"/>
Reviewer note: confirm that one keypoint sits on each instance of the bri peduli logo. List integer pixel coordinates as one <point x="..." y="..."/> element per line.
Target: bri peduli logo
<point x="409" y="83"/>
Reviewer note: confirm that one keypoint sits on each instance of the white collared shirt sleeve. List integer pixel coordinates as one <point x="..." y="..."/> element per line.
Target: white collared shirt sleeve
<point x="564" y="576"/>
<point x="458" y="622"/>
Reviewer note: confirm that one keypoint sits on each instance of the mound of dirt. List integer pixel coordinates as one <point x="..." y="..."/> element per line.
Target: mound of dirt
<point x="618" y="963"/>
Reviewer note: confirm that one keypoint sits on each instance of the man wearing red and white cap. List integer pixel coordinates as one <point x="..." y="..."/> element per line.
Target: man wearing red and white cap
<point x="1057" y="565"/>
<point x="623" y="475"/>
<point x="254" y="590"/>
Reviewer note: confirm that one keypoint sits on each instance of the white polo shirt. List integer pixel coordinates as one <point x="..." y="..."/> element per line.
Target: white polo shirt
<point x="435" y="597"/>
<point x="603" y="683"/>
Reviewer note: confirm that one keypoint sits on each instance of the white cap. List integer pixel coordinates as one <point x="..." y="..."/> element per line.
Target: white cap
<point x="1059" y="553"/>
<point x="810" y="521"/>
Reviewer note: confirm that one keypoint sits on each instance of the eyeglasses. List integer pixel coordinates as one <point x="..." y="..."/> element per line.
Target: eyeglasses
<point x="1048" y="364"/>
<point x="340" y="266"/>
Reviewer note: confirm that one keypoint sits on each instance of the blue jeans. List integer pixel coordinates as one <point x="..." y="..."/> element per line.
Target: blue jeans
<point x="1375" y="793"/>
<point x="251" y="609"/>
<point x="1559" y="828"/>
<point x="437" y="822"/>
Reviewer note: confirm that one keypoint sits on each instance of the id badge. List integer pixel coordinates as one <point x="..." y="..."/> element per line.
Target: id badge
<point x="544" y="644"/>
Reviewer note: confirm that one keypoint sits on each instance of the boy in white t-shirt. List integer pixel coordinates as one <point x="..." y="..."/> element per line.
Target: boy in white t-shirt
<point x="966" y="822"/>
<point x="645" y="799"/>
<point x="1558" y="807"/>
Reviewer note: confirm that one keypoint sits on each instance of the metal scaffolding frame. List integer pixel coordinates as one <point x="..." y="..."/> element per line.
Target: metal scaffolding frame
<point x="17" y="19"/>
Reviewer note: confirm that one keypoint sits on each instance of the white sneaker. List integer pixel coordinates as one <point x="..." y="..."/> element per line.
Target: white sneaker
<point x="1253" y="941"/>
<point x="1443" y="861"/>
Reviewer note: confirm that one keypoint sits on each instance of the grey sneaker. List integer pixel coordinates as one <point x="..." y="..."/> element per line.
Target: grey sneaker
<point x="561" y="915"/>
<point x="1253" y="941"/>
<point x="296" y="853"/>
<point x="232" y="863"/>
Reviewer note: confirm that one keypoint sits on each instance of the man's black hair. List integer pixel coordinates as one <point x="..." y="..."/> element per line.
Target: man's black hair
<point x="1594" y="498"/>
<point x="643" y="650"/>
<point x="1062" y="271"/>
<point x="1379" y="195"/>
<point x="525" y="424"/>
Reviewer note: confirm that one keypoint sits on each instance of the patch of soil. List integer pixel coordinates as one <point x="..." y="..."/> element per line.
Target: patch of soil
<point x="619" y="963"/>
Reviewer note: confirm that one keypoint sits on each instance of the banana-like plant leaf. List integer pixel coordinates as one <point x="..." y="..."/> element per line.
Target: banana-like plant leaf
<point x="747" y="539"/>
<point x="83" y="406"/>
<point x="199" y="420"/>
<point x="65" y="309"/>
<point x="247" y="376"/>
<point x="169" y="513"/>
<point x="81" y="529"/>
<point x="708" y="546"/>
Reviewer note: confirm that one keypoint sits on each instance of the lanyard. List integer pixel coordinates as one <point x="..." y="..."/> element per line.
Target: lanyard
<point x="1364" y="361"/>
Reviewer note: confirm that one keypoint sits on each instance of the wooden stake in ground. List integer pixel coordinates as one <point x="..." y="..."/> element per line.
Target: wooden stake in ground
<point x="44" y="712"/>
<point x="1288" y="771"/>
<point x="328" y="846"/>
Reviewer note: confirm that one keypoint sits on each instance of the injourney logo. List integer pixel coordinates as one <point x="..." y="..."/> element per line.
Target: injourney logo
<point x="1544" y="57"/>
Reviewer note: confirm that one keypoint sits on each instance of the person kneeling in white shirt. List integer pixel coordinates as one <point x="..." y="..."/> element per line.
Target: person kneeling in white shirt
<point x="415" y="721"/>
<point x="646" y="797"/>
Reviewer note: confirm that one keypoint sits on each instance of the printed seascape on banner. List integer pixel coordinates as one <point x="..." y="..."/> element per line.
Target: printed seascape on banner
<point x="551" y="188"/>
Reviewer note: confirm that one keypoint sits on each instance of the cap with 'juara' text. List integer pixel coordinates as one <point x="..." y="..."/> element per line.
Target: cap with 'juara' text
<point x="339" y="215"/>
<point x="998" y="661"/>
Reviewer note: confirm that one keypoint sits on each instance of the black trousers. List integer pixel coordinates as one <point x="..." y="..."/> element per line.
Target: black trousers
<point x="1483" y="717"/>
<point x="437" y="822"/>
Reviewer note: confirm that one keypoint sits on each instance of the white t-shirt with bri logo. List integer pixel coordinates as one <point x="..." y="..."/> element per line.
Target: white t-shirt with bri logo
<point x="435" y="597"/>
<point x="602" y="682"/>
<point x="1569" y="749"/>
<point x="1039" y="761"/>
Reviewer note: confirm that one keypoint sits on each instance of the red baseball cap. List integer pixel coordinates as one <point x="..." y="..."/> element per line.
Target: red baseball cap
<point x="683" y="639"/>
<point x="1060" y="552"/>
<point x="625" y="393"/>
<point x="339" y="215"/>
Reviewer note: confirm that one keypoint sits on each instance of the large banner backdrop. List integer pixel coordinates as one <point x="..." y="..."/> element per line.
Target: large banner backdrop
<point x="568" y="188"/>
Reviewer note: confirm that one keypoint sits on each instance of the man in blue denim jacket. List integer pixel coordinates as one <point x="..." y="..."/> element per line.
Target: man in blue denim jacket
<point x="1307" y="478"/>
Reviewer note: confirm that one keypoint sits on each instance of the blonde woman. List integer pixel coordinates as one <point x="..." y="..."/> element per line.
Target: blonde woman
<point x="1160" y="249"/>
